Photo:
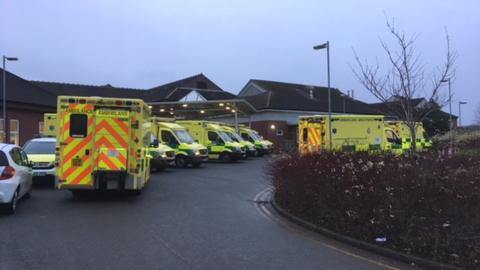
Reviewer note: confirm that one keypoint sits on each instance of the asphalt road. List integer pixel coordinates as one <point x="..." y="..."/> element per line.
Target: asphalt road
<point x="202" y="218"/>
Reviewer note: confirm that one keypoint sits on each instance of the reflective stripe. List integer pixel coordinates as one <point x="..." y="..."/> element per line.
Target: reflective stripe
<point x="104" y="124"/>
<point x="82" y="176"/>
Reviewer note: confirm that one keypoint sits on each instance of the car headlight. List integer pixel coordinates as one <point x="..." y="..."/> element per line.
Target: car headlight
<point x="164" y="155"/>
<point x="197" y="153"/>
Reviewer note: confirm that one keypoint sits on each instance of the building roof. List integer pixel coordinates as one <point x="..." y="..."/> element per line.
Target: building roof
<point x="388" y="108"/>
<point x="70" y="89"/>
<point x="23" y="92"/>
<point x="206" y="94"/>
<point x="300" y="97"/>
<point x="161" y="92"/>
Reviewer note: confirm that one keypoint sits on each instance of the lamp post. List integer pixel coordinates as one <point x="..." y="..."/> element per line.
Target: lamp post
<point x="460" y="103"/>
<point x="5" y="120"/>
<point x="321" y="47"/>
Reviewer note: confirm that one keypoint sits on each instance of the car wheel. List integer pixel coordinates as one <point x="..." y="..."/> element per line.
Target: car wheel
<point x="12" y="206"/>
<point x="181" y="162"/>
<point x="226" y="157"/>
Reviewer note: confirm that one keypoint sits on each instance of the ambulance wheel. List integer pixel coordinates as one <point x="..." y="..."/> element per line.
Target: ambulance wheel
<point x="226" y="157"/>
<point x="76" y="193"/>
<point x="181" y="162"/>
<point x="136" y="192"/>
<point x="196" y="164"/>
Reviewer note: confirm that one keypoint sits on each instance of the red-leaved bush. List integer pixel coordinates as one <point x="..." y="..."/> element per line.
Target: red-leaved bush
<point x="426" y="205"/>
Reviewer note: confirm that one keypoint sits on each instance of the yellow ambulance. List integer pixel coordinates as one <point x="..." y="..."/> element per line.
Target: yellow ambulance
<point x="175" y="136"/>
<point x="162" y="155"/>
<point x="101" y="144"/>
<point x="349" y="133"/>
<point x="220" y="146"/>
<point x="403" y="131"/>
<point x="261" y="145"/>
<point x="49" y="124"/>
<point x="249" y="146"/>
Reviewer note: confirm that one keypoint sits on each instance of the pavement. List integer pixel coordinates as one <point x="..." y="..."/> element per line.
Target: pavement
<point x="213" y="217"/>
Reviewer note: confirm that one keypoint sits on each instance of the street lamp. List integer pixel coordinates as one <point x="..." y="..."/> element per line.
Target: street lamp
<point x="5" y="120"/>
<point x="460" y="103"/>
<point x="321" y="47"/>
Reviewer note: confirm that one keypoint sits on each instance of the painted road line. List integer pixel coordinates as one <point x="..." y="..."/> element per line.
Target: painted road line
<point x="265" y="196"/>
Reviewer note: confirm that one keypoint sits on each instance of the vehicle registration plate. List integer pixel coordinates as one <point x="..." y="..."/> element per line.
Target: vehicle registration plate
<point x="39" y="174"/>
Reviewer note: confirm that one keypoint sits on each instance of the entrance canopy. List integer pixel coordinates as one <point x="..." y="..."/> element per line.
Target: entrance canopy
<point x="204" y="109"/>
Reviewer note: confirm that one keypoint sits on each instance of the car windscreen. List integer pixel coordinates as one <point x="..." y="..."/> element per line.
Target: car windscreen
<point x="36" y="148"/>
<point x="225" y="137"/>
<point x="3" y="159"/>
<point x="260" y="137"/>
<point x="184" y="136"/>
<point x="237" y="137"/>
<point x="230" y="134"/>
<point x="255" y="136"/>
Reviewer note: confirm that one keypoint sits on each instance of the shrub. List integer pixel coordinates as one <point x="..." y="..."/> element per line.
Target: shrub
<point x="426" y="205"/>
<point x="466" y="140"/>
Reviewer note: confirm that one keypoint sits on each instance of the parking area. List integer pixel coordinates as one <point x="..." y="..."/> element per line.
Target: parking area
<point x="185" y="219"/>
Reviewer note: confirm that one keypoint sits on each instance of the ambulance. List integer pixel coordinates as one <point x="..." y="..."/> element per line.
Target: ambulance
<point x="101" y="144"/>
<point x="177" y="137"/>
<point x="249" y="147"/>
<point x="49" y="124"/>
<point x="403" y="131"/>
<point x="261" y="145"/>
<point x="162" y="155"/>
<point x="349" y="133"/>
<point x="41" y="151"/>
<point x="220" y="146"/>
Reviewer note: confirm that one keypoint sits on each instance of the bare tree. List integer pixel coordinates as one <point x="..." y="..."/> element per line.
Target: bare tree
<point x="406" y="79"/>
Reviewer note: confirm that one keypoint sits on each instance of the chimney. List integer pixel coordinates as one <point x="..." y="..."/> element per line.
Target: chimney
<point x="311" y="92"/>
<point x="352" y="94"/>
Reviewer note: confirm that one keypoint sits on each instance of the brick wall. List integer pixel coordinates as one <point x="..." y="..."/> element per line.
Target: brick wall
<point x="282" y="135"/>
<point x="28" y="122"/>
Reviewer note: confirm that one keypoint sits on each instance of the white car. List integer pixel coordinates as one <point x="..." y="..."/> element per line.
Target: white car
<point x="15" y="176"/>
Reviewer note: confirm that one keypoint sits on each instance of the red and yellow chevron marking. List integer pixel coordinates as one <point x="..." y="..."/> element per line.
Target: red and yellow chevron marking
<point x="111" y="144"/>
<point x="76" y="148"/>
<point x="313" y="136"/>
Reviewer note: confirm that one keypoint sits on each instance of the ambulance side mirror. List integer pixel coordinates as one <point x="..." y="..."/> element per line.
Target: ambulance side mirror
<point x="155" y="143"/>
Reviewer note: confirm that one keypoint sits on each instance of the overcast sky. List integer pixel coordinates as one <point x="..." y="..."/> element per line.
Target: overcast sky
<point x="142" y="44"/>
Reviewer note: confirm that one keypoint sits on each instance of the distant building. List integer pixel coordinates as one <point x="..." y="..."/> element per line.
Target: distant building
<point x="26" y="104"/>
